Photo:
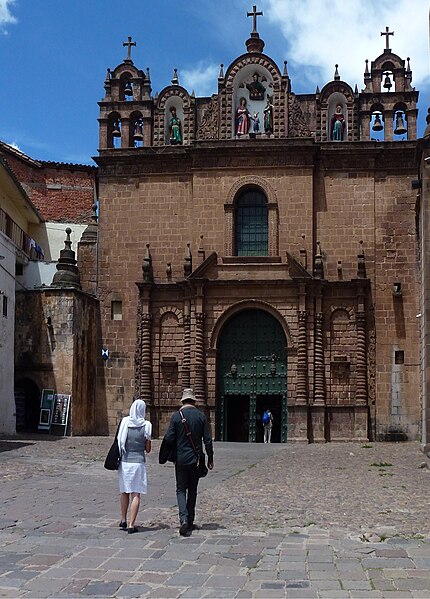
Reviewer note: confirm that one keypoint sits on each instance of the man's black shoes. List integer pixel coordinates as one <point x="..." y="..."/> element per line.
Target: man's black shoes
<point x="183" y="529"/>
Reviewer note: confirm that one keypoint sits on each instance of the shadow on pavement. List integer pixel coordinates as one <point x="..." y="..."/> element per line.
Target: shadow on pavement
<point x="11" y="445"/>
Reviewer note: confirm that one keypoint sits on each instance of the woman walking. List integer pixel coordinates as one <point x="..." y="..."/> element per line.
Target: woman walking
<point x="134" y="440"/>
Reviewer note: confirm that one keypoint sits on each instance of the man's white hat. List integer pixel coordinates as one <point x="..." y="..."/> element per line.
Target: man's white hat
<point x="188" y="395"/>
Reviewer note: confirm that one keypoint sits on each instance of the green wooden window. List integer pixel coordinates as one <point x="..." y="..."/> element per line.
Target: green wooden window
<point x="251" y="224"/>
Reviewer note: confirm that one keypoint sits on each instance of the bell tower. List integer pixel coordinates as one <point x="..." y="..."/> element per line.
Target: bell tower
<point x="126" y="110"/>
<point x="388" y="102"/>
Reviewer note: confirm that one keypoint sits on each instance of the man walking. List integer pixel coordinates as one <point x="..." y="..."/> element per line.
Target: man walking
<point x="187" y="428"/>
<point x="267" y="425"/>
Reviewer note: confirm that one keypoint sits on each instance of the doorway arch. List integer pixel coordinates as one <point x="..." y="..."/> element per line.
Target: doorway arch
<point x="251" y="376"/>
<point x="27" y="404"/>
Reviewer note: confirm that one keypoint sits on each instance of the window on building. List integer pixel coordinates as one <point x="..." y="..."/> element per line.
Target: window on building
<point x="116" y="310"/>
<point x="19" y="269"/>
<point x="251" y="224"/>
<point x="4" y="306"/>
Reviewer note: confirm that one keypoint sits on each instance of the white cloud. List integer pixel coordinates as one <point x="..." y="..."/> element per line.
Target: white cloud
<point x="321" y="33"/>
<point x="6" y="17"/>
<point x="202" y="78"/>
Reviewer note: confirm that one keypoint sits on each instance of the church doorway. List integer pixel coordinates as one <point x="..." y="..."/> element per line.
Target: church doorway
<point x="27" y="405"/>
<point x="251" y="376"/>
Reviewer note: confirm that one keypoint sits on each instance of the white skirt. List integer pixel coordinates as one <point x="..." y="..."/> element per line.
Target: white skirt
<point x="132" y="477"/>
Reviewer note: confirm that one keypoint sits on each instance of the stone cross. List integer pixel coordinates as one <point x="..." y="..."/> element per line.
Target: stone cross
<point x="129" y="43"/>
<point x="254" y="14"/>
<point x="387" y="33"/>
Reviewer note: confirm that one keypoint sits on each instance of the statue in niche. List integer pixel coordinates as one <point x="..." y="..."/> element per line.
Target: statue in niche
<point x="175" y="129"/>
<point x="256" y="88"/>
<point x="242" y="119"/>
<point x="256" y="125"/>
<point x="337" y="125"/>
<point x="268" y="117"/>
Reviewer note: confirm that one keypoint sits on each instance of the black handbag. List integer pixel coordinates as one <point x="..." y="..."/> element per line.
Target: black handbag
<point x="167" y="452"/>
<point x="113" y="457"/>
<point x="202" y="469"/>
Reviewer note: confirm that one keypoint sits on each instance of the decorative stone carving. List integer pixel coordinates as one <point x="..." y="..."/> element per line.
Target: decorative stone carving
<point x="297" y="126"/>
<point x="209" y="126"/>
<point x="302" y="362"/>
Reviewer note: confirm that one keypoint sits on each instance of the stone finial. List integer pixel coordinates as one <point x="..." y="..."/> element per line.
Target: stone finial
<point x="188" y="261"/>
<point x="336" y="73"/>
<point x="169" y="271"/>
<point x="148" y="75"/>
<point x="361" y="266"/>
<point x="148" y="275"/>
<point x="175" y="80"/>
<point x="427" y="129"/>
<point x="285" y="72"/>
<point x="91" y="232"/>
<point x="67" y="274"/>
<point x="366" y="70"/>
<point x="303" y="252"/>
<point x="408" y="67"/>
<point x="221" y="71"/>
<point x="318" y="263"/>
<point x="356" y="90"/>
<point x="317" y="90"/>
<point x="201" y="251"/>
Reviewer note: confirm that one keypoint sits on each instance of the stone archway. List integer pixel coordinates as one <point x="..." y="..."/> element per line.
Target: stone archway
<point x="251" y="375"/>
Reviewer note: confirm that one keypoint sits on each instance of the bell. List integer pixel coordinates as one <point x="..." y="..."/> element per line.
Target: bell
<point x="377" y="125"/>
<point x="128" y="90"/>
<point x="387" y="83"/>
<point x="138" y="133"/>
<point x="116" y="131"/>
<point x="400" y="125"/>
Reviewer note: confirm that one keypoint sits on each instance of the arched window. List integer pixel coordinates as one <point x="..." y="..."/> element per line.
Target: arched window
<point x="251" y="224"/>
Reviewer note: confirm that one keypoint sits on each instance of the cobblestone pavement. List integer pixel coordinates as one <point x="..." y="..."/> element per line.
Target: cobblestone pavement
<point x="336" y="520"/>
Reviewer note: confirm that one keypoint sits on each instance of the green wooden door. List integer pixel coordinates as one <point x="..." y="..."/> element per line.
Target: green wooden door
<point x="251" y="372"/>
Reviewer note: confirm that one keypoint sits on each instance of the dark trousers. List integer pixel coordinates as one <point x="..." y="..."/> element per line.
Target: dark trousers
<point x="187" y="481"/>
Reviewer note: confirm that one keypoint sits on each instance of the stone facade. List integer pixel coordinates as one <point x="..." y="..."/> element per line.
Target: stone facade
<point x="320" y="321"/>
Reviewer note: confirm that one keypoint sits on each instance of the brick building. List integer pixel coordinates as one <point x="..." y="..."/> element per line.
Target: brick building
<point x="260" y="246"/>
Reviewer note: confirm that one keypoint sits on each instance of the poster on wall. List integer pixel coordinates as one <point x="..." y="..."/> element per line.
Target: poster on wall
<point x="60" y="416"/>
<point x="46" y="409"/>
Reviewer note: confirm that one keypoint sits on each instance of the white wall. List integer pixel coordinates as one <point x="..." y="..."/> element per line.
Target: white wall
<point x="50" y="236"/>
<point x="7" y="329"/>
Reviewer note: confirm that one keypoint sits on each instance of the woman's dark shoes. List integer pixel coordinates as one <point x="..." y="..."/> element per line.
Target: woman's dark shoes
<point x="123" y="525"/>
<point x="132" y="530"/>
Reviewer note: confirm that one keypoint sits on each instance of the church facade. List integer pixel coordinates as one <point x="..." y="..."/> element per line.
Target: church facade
<point x="260" y="246"/>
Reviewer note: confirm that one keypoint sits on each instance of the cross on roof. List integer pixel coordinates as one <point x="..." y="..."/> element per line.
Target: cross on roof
<point x="254" y="14"/>
<point x="129" y="43"/>
<point x="387" y="33"/>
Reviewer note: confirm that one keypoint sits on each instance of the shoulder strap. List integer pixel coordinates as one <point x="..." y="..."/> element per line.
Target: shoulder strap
<point x="188" y="432"/>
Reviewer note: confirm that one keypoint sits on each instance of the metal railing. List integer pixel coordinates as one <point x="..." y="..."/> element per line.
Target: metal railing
<point x="19" y="237"/>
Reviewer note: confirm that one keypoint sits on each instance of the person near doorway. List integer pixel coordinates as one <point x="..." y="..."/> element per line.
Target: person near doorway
<point x="187" y="477"/>
<point x="134" y="440"/>
<point x="267" y="425"/>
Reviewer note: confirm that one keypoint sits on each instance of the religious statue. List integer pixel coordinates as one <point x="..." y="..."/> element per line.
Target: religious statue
<point x="256" y="126"/>
<point x="256" y="88"/>
<point x="337" y="125"/>
<point x="242" y="118"/>
<point x="268" y="117"/>
<point x="175" y="129"/>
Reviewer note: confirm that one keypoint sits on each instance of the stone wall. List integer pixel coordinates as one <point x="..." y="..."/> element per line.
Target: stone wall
<point x="55" y="346"/>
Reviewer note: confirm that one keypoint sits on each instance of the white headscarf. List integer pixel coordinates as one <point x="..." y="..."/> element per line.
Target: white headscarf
<point x="135" y="420"/>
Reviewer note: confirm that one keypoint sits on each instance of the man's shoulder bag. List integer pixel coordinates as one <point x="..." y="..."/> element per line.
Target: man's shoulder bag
<point x="202" y="469"/>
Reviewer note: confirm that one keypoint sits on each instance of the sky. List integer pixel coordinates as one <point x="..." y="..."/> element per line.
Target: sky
<point x="54" y="54"/>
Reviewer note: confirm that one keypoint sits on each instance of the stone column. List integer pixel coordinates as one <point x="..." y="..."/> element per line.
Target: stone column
<point x="145" y="372"/>
<point x="361" y="381"/>
<point x="319" y="394"/>
<point x="186" y="361"/>
<point x="302" y="362"/>
<point x="199" y="384"/>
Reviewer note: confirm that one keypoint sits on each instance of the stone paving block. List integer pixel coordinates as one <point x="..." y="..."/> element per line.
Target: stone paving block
<point x="187" y="579"/>
<point x="73" y="588"/>
<point x="83" y="562"/>
<point x="160" y="565"/>
<point x="297" y="584"/>
<point x="19" y="574"/>
<point x="384" y="562"/>
<point x="398" y="595"/>
<point x="356" y="585"/>
<point x="418" y="573"/>
<point x="240" y="595"/>
<point x="365" y="594"/>
<point x="413" y="584"/>
<point x="129" y="564"/>
<point x="226" y="582"/>
<point x="48" y="585"/>
<point x="273" y="585"/>
<point x="322" y="575"/>
<point x="301" y="594"/>
<point x="100" y="589"/>
<point x="220" y="594"/>
<point x="292" y="575"/>
<point x="261" y="575"/>
<point x="326" y="585"/>
<point x="333" y="595"/>
<point x="391" y="553"/>
<point x="381" y="584"/>
<point x="390" y="573"/>
<point x="132" y="590"/>
<point x="117" y="576"/>
<point x="153" y="578"/>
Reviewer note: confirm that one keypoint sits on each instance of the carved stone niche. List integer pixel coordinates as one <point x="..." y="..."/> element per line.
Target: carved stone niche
<point x="169" y="368"/>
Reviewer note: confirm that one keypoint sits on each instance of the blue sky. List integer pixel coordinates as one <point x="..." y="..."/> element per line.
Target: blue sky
<point x="54" y="54"/>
